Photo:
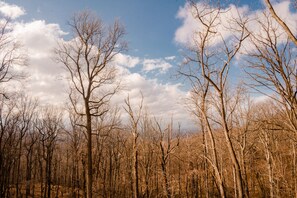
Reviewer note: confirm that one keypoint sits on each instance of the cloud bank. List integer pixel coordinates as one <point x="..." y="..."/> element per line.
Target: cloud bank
<point x="188" y="32"/>
<point x="10" y="10"/>
<point x="46" y="78"/>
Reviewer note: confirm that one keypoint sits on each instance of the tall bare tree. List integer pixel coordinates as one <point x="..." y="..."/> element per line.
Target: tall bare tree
<point x="8" y="142"/>
<point x="167" y="145"/>
<point x="273" y="69"/>
<point x="208" y="70"/>
<point x="49" y="126"/>
<point x="134" y="117"/>
<point x="26" y="110"/>
<point x="88" y="60"/>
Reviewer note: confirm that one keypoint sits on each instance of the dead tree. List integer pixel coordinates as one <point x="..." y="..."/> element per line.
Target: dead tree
<point x="272" y="67"/>
<point x="167" y="145"/>
<point x="29" y="145"/>
<point x="26" y="109"/>
<point x="211" y="63"/>
<point x="134" y="117"/>
<point x="74" y="140"/>
<point x="88" y="59"/>
<point x="10" y="53"/>
<point x="49" y="126"/>
<point x="281" y="22"/>
<point x="8" y="143"/>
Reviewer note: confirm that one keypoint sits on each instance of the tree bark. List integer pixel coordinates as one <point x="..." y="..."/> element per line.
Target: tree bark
<point x="89" y="150"/>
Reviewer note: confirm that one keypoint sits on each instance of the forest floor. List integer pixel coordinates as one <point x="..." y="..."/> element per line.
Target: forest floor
<point x="56" y="191"/>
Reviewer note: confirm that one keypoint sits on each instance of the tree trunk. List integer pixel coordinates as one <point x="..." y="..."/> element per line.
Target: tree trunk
<point x="165" y="177"/>
<point x="231" y="149"/>
<point x="89" y="153"/>
<point x="135" y="190"/>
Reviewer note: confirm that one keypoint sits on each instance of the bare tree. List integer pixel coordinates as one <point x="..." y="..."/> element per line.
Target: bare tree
<point x="10" y="52"/>
<point x="282" y="22"/>
<point x="88" y="58"/>
<point x="135" y="117"/>
<point x="26" y="110"/>
<point x="74" y="141"/>
<point x="213" y="54"/>
<point x="8" y="143"/>
<point x="49" y="126"/>
<point x="167" y="145"/>
<point x="200" y="108"/>
<point x="273" y="69"/>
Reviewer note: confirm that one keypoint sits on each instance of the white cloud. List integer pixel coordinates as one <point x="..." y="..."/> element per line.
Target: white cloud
<point x="149" y="65"/>
<point x="10" y="10"/>
<point x="162" y="100"/>
<point x="44" y="75"/>
<point x="190" y="29"/>
<point x="170" y="58"/>
<point x="46" y="81"/>
<point x="153" y="64"/>
<point x="126" y="60"/>
<point x="283" y="11"/>
<point x="39" y="37"/>
<point x="184" y="34"/>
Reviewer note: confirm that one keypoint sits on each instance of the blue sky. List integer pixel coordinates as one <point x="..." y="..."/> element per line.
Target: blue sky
<point x="150" y="25"/>
<point x="157" y="30"/>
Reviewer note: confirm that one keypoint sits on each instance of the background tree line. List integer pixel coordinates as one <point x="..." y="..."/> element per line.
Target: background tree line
<point x="242" y="148"/>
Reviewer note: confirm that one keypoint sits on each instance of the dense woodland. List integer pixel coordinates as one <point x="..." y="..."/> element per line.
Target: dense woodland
<point x="240" y="148"/>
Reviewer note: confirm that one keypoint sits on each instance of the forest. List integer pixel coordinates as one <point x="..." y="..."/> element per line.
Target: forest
<point x="241" y="147"/>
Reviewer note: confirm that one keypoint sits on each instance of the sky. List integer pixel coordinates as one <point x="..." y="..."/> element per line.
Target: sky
<point x="156" y="32"/>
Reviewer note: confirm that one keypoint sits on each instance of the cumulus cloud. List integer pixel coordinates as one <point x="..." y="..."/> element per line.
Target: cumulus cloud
<point x="46" y="79"/>
<point x="44" y="75"/>
<point x="153" y="64"/>
<point x="10" y="10"/>
<point x="191" y="27"/>
<point x="39" y="37"/>
<point x="126" y="60"/>
<point x="225" y="24"/>
<point x="184" y="34"/>
<point x="163" y="101"/>
<point x="148" y="65"/>
<point x="284" y="12"/>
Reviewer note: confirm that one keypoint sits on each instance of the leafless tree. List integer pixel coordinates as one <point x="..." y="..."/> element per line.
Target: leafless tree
<point x="26" y="110"/>
<point x="8" y="143"/>
<point x="88" y="60"/>
<point x="10" y="52"/>
<point x="49" y="125"/>
<point x="74" y="137"/>
<point x="213" y="54"/>
<point x="200" y="108"/>
<point x="167" y="145"/>
<point x="272" y="67"/>
<point x="281" y="22"/>
<point x="272" y="70"/>
<point x="134" y="117"/>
